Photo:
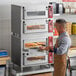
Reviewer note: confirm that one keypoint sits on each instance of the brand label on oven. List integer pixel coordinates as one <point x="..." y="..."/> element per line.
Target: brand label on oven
<point x="50" y="26"/>
<point x="50" y="11"/>
<point x="50" y="41"/>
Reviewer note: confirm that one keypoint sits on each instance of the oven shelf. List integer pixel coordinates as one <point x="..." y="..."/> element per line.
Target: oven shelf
<point x="33" y="71"/>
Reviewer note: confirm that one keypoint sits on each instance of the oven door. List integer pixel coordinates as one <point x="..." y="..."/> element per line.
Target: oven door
<point x="35" y="59"/>
<point x="38" y="25"/>
<point x="38" y="11"/>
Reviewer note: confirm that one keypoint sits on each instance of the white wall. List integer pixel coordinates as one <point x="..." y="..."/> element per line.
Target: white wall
<point x="5" y="25"/>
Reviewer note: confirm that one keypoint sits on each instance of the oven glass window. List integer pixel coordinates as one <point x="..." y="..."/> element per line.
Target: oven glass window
<point x="36" y="13"/>
<point x="35" y="27"/>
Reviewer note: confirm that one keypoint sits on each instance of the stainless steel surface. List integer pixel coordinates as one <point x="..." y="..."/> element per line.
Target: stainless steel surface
<point x="16" y="19"/>
<point x="16" y="50"/>
<point x="15" y="38"/>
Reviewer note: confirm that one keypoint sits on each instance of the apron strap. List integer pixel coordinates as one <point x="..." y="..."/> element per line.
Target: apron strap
<point x="68" y="63"/>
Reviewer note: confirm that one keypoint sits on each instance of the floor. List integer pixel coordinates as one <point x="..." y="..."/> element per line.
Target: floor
<point x="68" y="74"/>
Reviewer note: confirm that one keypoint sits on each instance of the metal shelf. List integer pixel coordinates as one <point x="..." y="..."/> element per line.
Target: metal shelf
<point x="33" y="71"/>
<point x="64" y="14"/>
<point x="67" y="17"/>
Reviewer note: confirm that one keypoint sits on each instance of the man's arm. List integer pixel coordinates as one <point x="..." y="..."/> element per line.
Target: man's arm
<point x="46" y="48"/>
<point x="63" y="48"/>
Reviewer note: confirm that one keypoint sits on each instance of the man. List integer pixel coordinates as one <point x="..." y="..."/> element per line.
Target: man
<point x="60" y="49"/>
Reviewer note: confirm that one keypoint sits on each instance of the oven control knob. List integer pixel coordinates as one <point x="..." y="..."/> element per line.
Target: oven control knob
<point x="27" y="53"/>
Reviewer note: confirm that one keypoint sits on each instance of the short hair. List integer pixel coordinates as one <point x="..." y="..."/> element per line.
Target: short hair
<point x="62" y="22"/>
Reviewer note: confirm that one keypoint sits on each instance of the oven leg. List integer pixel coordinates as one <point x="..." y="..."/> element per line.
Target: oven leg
<point x="21" y="69"/>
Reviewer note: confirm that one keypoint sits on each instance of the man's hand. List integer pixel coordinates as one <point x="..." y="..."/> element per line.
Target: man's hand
<point x="42" y="48"/>
<point x="47" y="48"/>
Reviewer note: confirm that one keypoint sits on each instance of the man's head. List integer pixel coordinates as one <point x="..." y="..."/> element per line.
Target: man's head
<point x="60" y="25"/>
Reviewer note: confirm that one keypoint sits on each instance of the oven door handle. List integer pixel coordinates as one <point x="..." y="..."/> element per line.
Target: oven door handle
<point x="36" y="58"/>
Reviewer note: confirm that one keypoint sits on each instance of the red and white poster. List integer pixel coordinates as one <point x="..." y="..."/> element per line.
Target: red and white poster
<point x="69" y="0"/>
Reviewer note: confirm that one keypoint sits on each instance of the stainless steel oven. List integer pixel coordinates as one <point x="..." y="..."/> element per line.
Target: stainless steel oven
<point x="31" y="26"/>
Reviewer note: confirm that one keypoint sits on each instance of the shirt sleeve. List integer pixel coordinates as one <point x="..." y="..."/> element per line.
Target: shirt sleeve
<point x="63" y="48"/>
